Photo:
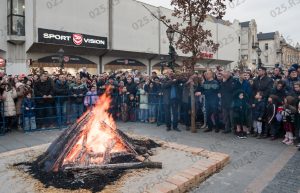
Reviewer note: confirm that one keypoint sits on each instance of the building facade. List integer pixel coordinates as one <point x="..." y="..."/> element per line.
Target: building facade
<point x="248" y="40"/>
<point x="102" y="35"/>
<point x="270" y="45"/>
<point x="290" y="55"/>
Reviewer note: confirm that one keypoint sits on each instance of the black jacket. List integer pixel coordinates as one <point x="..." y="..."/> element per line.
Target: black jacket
<point x="263" y="85"/>
<point x="227" y="89"/>
<point x="166" y="89"/>
<point x="43" y="88"/>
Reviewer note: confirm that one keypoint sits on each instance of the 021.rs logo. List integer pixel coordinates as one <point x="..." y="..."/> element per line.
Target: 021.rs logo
<point x="77" y="39"/>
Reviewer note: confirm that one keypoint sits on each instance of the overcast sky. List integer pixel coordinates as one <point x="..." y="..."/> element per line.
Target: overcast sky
<point x="270" y="15"/>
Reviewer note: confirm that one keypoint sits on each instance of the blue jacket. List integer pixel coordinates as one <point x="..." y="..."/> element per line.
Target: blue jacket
<point x="28" y="103"/>
<point x="259" y="110"/>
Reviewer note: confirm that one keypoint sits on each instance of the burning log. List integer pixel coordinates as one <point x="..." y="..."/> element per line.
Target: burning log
<point x="121" y="166"/>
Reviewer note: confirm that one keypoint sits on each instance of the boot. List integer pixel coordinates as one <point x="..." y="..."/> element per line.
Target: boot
<point x="291" y="139"/>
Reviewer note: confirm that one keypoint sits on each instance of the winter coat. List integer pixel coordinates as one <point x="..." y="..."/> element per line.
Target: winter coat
<point x="289" y="82"/>
<point x="61" y="90"/>
<point x="246" y="87"/>
<point x="281" y="94"/>
<point x="210" y="89"/>
<point x="90" y="98"/>
<point x="166" y="89"/>
<point x="21" y="91"/>
<point x="227" y="88"/>
<point x="143" y="102"/>
<point x="131" y="88"/>
<point x="240" y="109"/>
<point x="263" y="85"/>
<point x="30" y="104"/>
<point x="152" y="93"/>
<point x="8" y="102"/>
<point x="259" y="110"/>
<point x="78" y="90"/>
<point x="43" y="88"/>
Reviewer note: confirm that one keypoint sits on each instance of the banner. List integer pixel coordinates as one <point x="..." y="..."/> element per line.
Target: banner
<point x="71" y="39"/>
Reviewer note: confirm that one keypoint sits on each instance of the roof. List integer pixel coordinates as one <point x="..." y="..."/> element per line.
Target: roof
<point x="266" y="36"/>
<point x="245" y="24"/>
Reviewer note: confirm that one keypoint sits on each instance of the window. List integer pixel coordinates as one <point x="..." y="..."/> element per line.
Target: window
<point x="239" y="39"/>
<point x="266" y="46"/>
<point x="16" y="17"/>
<point x="267" y="59"/>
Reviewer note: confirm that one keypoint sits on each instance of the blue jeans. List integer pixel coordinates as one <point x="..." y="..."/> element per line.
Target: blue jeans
<point x="143" y="114"/>
<point x="152" y="110"/>
<point x="61" y="112"/>
<point x="77" y="111"/>
<point x="29" y="123"/>
<point x="171" y="107"/>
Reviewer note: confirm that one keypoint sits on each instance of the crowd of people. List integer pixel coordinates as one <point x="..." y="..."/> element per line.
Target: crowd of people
<point x="260" y="103"/>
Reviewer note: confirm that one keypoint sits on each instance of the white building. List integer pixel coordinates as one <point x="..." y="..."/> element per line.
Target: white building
<point x="248" y="40"/>
<point x="269" y="43"/>
<point x="100" y="34"/>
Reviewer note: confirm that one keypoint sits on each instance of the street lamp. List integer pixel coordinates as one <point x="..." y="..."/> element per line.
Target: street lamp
<point x="258" y="51"/>
<point x="172" y="54"/>
<point x="162" y="65"/>
<point x="61" y="53"/>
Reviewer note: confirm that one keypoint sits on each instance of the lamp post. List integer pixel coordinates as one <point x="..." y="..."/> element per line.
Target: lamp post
<point x="162" y="64"/>
<point x="170" y="34"/>
<point x="61" y="53"/>
<point x="258" y="51"/>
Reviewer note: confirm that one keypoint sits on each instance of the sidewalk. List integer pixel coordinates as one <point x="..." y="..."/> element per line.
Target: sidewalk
<point x="249" y="157"/>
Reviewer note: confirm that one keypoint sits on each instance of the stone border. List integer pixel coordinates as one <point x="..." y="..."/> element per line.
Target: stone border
<point x="192" y="176"/>
<point x="23" y="150"/>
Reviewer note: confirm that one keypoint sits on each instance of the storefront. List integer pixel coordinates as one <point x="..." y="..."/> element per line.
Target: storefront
<point x="125" y="65"/>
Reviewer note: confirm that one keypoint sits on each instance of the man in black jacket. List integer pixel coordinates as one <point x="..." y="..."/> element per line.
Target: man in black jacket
<point x="227" y="88"/>
<point x="171" y="98"/>
<point x="43" y="90"/>
<point x="263" y="83"/>
<point x="61" y="91"/>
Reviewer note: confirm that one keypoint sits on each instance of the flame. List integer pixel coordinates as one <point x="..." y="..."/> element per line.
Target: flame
<point x="98" y="137"/>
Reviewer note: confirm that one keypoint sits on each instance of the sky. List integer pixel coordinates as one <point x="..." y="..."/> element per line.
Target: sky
<point x="270" y="15"/>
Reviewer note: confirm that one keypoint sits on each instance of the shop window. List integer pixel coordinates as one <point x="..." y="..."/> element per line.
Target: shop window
<point x="16" y="17"/>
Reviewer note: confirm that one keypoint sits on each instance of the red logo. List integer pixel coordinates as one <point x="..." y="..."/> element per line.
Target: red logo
<point x="77" y="39"/>
<point x="2" y="62"/>
<point x="66" y="59"/>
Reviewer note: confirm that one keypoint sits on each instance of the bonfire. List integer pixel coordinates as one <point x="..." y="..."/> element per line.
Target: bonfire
<point x="92" y="150"/>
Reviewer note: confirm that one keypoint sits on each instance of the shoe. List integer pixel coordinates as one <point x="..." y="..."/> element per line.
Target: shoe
<point x="273" y="138"/>
<point x="259" y="136"/>
<point x="290" y="142"/>
<point x="176" y="129"/>
<point x="168" y="128"/>
<point x="239" y="135"/>
<point x="265" y="136"/>
<point x="226" y="132"/>
<point x="254" y="135"/>
<point x="203" y="126"/>
<point x="244" y="135"/>
<point x="298" y="145"/>
<point x="217" y="130"/>
<point x="207" y="130"/>
<point x="285" y="140"/>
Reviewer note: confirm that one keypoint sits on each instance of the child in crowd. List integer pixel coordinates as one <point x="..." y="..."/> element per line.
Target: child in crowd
<point x="239" y="111"/>
<point x="143" y="103"/>
<point x="298" y="125"/>
<point x="258" y="111"/>
<point x="288" y="118"/>
<point x="123" y="100"/>
<point x="29" y="114"/>
<point x="132" y="104"/>
<point x="273" y="119"/>
<point x="91" y="97"/>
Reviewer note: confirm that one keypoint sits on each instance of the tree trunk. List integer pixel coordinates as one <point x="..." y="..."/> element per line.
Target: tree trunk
<point x="193" y="109"/>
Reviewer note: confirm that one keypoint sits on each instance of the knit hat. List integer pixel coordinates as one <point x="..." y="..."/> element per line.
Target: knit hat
<point x="296" y="66"/>
<point x="292" y="69"/>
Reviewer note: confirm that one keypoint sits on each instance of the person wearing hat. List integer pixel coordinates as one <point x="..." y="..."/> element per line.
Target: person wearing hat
<point x="262" y="83"/>
<point x="291" y="79"/>
<point x="297" y="67"/>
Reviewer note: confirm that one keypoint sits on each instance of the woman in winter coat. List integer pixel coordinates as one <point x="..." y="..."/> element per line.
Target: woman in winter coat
<point x="21" y="90"/>
<point x="9" y="94"/>
<point x="143" y="103"/>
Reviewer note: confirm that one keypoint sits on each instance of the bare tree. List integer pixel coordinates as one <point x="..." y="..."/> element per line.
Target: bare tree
<point x="192" y="35"/>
